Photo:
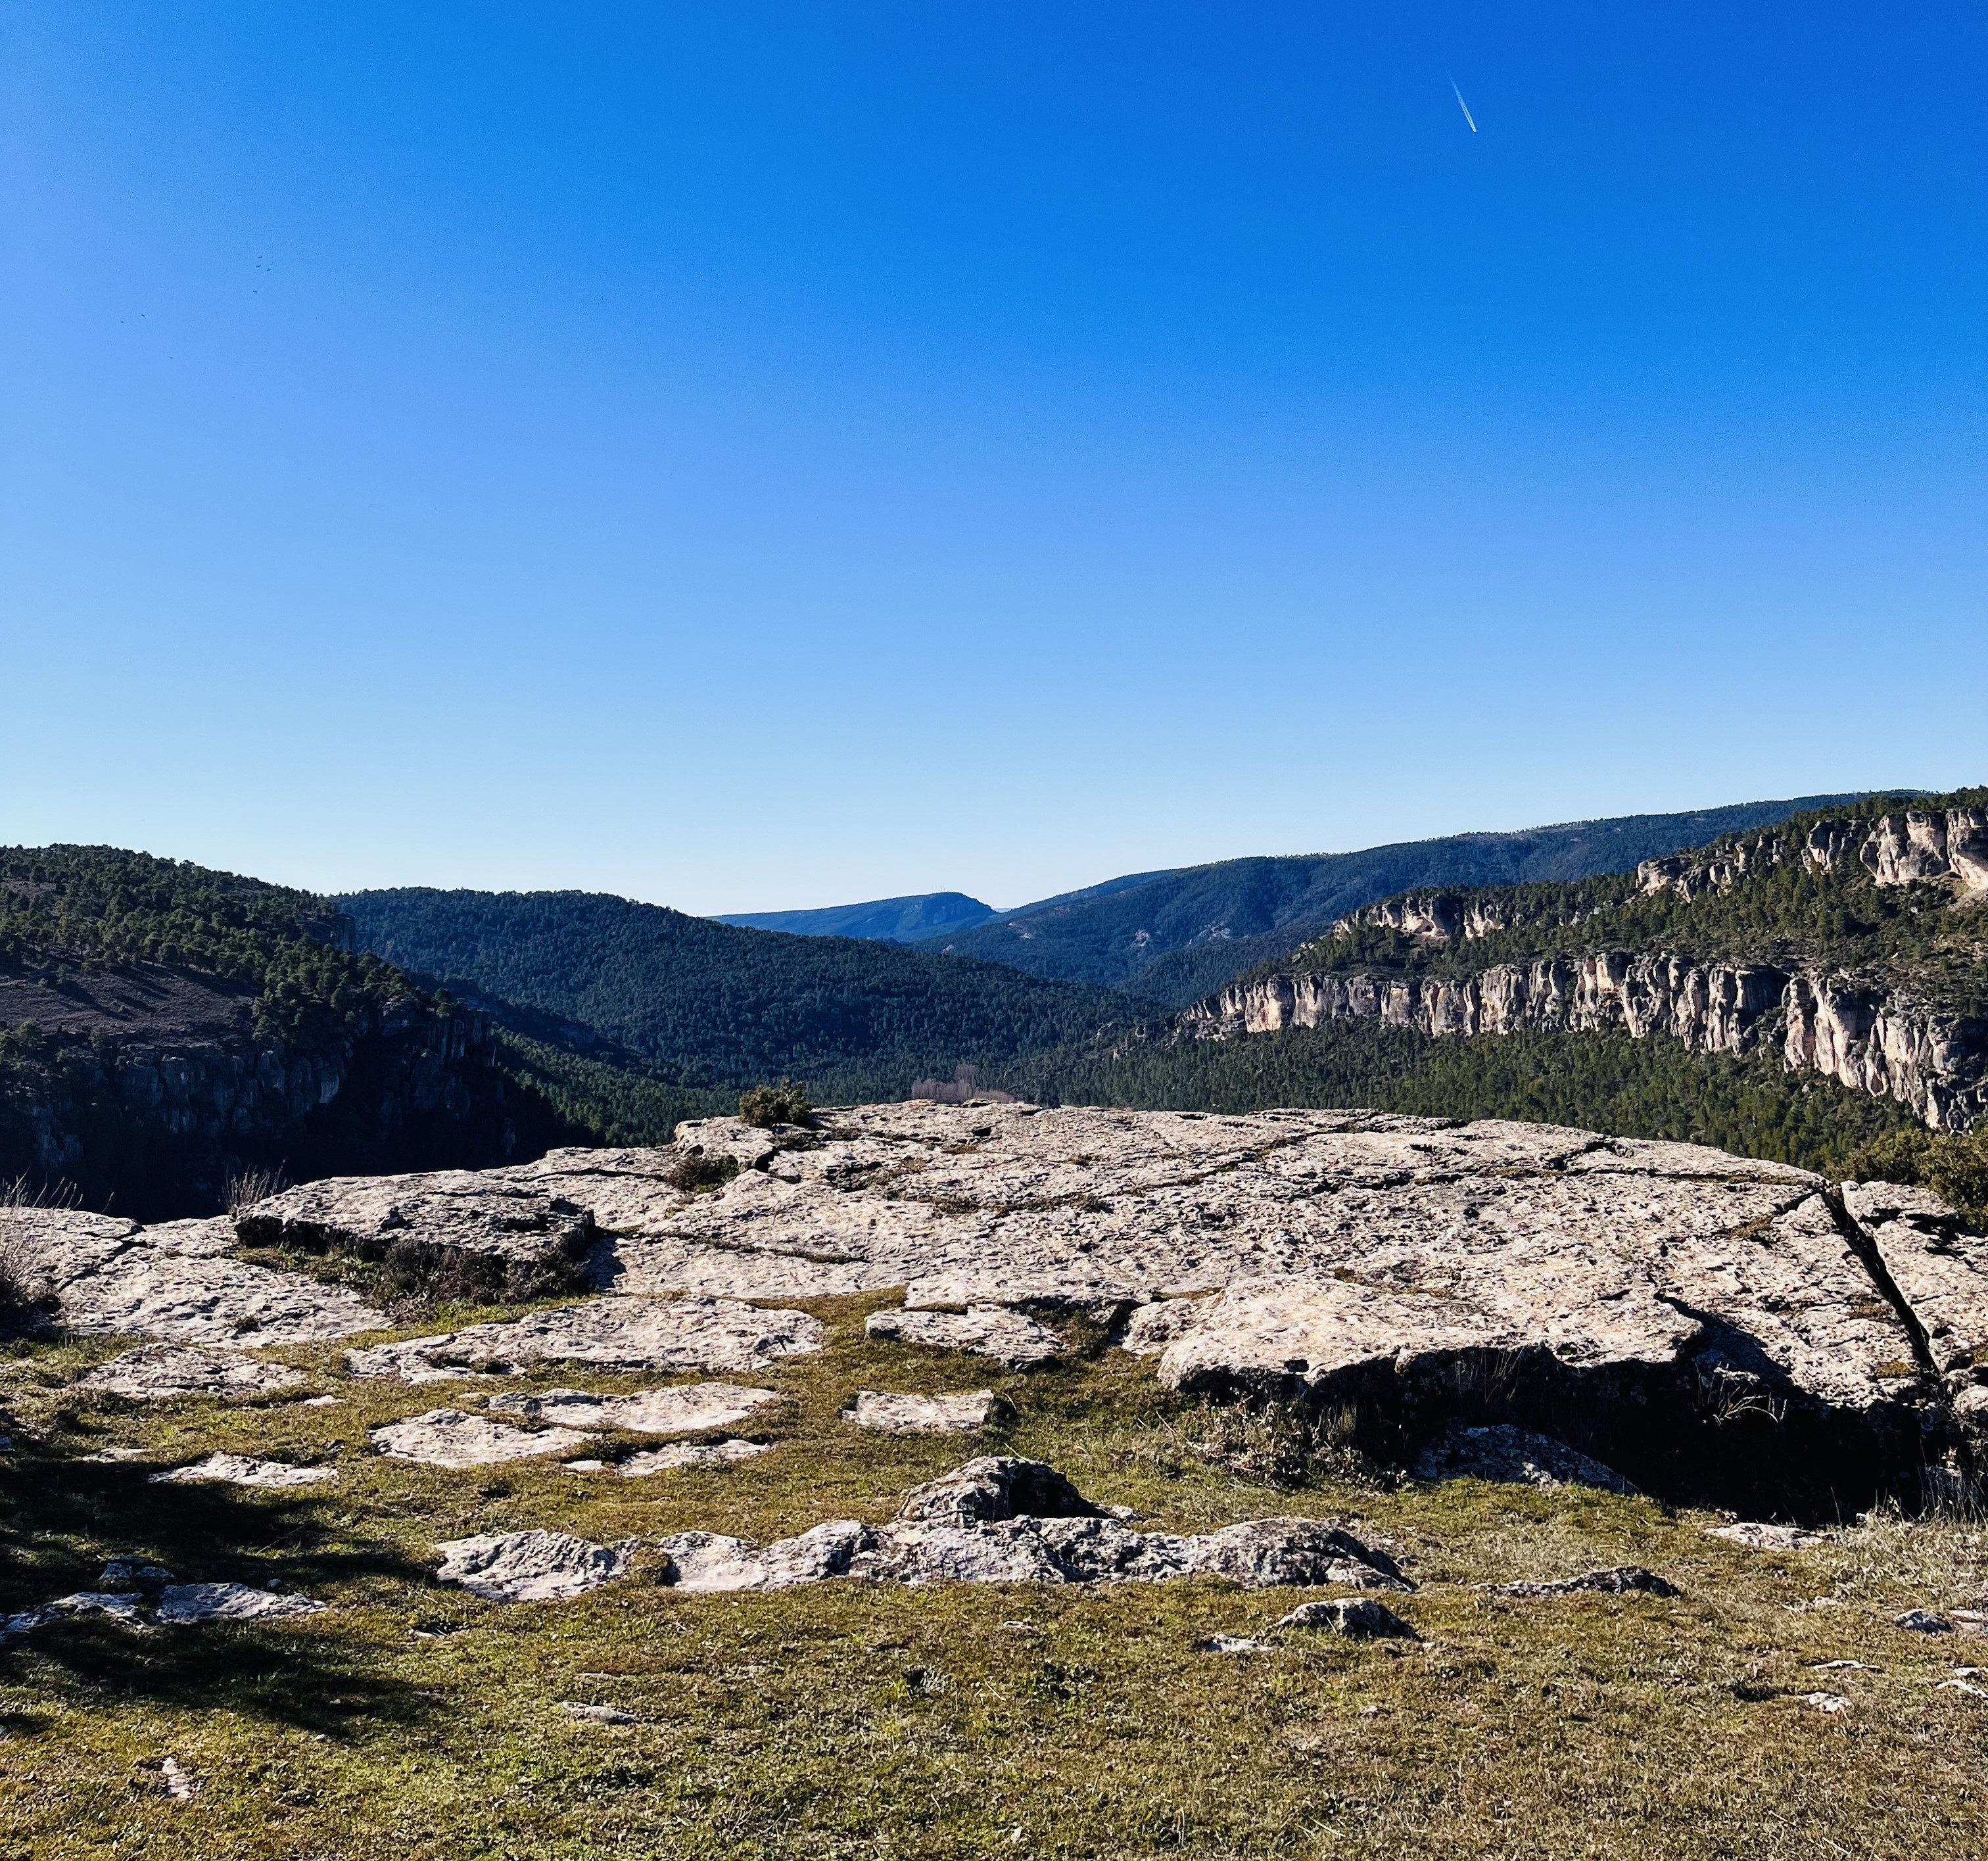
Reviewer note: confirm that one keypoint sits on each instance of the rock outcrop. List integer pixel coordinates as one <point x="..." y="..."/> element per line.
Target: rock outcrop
<point x="1000" y="1520"/>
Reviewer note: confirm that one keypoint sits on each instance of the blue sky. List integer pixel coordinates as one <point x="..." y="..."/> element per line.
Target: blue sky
<point x="749" y="457"/>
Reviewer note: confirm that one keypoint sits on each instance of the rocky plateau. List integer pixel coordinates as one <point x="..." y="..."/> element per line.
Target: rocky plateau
<point x="1663" y="1316"/>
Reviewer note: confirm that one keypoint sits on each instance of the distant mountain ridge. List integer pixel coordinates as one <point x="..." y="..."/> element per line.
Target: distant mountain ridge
<point x="923" y="916"/>
<point x="1178" y="935"/>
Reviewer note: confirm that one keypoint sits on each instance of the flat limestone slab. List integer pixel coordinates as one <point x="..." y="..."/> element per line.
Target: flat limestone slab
<point x="176" y="1282"/>
<point x="893" y="1414"/>
<point x="530" y="1566"/>
<point x="705" y="1454"/>
<point x="688" y="1409"/>
<point x="612" y="1333"/>
<point x="161" y="1373"/>
<point x="447" y="1437"/>
<point x="986" y="1331"/>
<point x="238" y="1470"/>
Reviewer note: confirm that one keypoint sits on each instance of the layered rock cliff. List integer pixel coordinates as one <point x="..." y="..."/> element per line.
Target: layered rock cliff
<point x="1908" y="1030"/>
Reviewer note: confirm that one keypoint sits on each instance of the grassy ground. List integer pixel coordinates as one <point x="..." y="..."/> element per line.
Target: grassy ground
<point x="414" y="1722"/>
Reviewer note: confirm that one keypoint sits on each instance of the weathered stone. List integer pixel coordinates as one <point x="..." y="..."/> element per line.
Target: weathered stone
<point x="1923" y="1622"/>
<point x="597" y="1715"/>
<point x="994" y="1487"/>
<point x="1002" y="1520"/>
<point x="687" y="1410"/>
<point x="986" y="1331"/>
<point x="1230" y="1644"/>
<point x="1824" y="1702"/>
<point x="1942" y="1272"/>
<point x="530" y="1566"/>
<point x="1758" y="1537"/>
<point x="447" y="1437"/>
<point x="703" y="1454"/>
<point x="1616" y="1582"/>
<point x="616" y="1334"/>
<point x="196" y="1298"/>
<point x="183" y="1603"/>
<point x="468" y="1230"/>
<point x="1501" y="1452"/>
<point x="896" y="1414"/>
<point x="238" y="1469"/>
<point x="1358" y="1617"/>
<point x="158" y="1373"/>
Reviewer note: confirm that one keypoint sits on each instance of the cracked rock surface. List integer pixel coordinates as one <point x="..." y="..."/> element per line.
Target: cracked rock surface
<point x="511" y="1237"/>
<point x="159" y="1372"/>
<point x="176" y="1282"/>
<point x="530" y="1566"/>
<point x="687" y="1410"/>
<point x="620" y="1334"/>
<point x="447" y="1437"/>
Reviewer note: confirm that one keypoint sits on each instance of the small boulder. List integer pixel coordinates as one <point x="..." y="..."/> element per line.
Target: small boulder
<point x="1360" y="1617"/>
<point x="705" y="1454"/>
<point x="688" y="1410"/>
<point x="1617" y="1580"/>
<point x="1923" y="1622"/>
<point x="1514" y="1456"/>
<point x="531" y="1566"/>
<point x="1758" y="1537"/>
<point x="994" y="1487"/>
<point x="987" y="1330"/>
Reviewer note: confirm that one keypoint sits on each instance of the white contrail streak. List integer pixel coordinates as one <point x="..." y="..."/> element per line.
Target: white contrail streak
<point x="1461" y="105"/>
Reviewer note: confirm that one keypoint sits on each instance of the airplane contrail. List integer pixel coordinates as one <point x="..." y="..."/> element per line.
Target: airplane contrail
<point x="1461" y="105"/>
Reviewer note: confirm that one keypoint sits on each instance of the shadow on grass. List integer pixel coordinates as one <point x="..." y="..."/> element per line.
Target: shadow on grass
<point x="61" y="1519"/>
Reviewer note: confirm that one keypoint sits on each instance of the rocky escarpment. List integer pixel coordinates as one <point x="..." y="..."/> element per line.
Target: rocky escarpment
<point x="147" y="1089"/>
<point x="1936" y="1064"/>
<point x="1875" y="1033"/>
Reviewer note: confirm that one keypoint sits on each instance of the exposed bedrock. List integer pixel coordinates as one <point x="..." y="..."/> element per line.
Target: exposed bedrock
<point x="1708" y="1327"/>
<point x="467" y="1232"/>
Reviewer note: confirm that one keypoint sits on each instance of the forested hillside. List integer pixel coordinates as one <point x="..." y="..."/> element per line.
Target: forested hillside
<point x="896" y="921"/>
<point x="711" y="1004"/>
<point x="1748" y="1104"/>
<point x="164" y="1027"/>
<point x="1175" y="937"/>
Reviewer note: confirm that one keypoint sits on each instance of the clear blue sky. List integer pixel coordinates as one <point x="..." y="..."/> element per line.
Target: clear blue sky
<point x="749" y="457"/>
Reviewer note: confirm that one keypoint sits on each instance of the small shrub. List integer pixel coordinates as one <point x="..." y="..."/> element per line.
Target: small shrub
<point x="1955" y="1169"/>
<point x="767" y="1106"/>
<point x="251" y="1187"/>
<point x="699" y="1169"/>
<point x="24" y="1280"/>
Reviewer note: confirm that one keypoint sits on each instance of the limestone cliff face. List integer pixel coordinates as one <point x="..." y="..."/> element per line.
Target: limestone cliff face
<point x="1908" y="849"/>
<point x="1895" y="849"/>
<point x="1873" y="1039"/>
<point x="1938" y="1067"/>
